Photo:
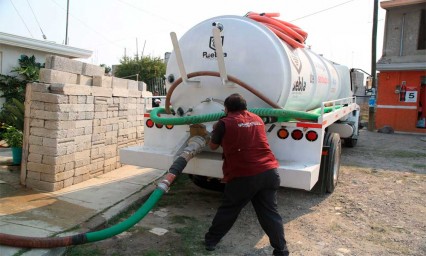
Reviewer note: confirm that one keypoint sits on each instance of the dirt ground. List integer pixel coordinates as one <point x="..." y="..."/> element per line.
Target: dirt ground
<point x="378" y="208"/>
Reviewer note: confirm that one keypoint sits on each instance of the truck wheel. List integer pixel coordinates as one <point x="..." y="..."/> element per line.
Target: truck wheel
<point x="207" y="183"/>
<point x="330" y="164"/>
<point x="333" y="163"/>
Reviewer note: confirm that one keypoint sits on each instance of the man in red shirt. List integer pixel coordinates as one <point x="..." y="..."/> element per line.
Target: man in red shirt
<point x="250" y="174"/>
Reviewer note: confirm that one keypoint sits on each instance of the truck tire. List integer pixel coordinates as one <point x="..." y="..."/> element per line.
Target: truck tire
<point x="333" y="163"/>
<point x="330" y="164"/>
<point x="207" y="183"/>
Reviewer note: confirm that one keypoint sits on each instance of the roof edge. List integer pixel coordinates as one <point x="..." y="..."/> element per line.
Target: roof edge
<point x="399" y="3"/>
<point x="35" y="44"/>
<point x="401" y="66"/>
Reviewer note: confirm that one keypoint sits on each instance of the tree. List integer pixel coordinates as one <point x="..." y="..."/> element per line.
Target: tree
<point x="14" y="86"/>
<point x="107" y="68"/>
<point x="28" y="68"/>
<point x="148" y="68"/>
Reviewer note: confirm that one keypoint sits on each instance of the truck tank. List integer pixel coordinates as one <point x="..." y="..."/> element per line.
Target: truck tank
<point x="294" y="78"/>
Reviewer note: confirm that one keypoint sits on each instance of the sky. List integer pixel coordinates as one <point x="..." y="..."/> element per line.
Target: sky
<point x="341" y="30"/>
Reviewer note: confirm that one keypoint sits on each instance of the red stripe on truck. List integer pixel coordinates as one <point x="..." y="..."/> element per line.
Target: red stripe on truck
<point x="309" y="125"/>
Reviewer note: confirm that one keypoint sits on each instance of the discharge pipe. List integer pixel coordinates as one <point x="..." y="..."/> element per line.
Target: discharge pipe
<point x="194" y="146"/>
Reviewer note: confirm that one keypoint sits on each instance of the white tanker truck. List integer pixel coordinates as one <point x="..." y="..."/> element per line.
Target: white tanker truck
<point x="305" y="100"/>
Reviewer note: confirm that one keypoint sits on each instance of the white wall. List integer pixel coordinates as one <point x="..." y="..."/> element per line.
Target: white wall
<point x="10" y="55"/>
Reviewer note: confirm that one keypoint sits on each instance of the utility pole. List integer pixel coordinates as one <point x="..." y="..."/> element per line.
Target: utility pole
<point x="372" y="103"/>
<point x="66" y="28"/>
<point x="143" y="49"/>
<point x="137" y="49"/>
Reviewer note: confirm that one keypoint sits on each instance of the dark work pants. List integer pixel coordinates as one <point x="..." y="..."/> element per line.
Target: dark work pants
<point x="261" y="190"/>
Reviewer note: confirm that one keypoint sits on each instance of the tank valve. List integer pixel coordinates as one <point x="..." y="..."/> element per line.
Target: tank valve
<point x="218" y="25"/>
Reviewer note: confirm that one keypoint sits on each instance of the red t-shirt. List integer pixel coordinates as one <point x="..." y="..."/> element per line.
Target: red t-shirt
<point x="246" y="150"/>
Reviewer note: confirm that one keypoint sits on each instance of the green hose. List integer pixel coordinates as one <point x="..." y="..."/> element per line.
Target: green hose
<point x="285" y="115"/>
<point x="326" y="109"/>
<point x="130" y="222"/>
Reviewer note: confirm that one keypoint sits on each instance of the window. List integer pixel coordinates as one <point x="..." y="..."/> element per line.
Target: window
<point x="421" y="44"/>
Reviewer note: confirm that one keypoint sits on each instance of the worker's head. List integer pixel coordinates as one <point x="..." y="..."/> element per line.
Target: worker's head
<point x="235" y="102"/>
<point x="156" y="93"/>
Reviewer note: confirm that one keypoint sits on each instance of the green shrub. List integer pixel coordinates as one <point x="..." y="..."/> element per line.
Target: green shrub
<point x="13" y="137"/>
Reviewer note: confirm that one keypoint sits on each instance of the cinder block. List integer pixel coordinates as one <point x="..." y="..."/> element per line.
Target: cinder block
<point x="39" y="87"/>
<point x="64" y="64"/>
<point x="37" y="123"/>
<point x="49" y="151"/>
<point x="71" y="89"/>
<point x="49" y="97"/>
<point x="84" y="80"/>
<point x="120" y="92"/>
<point x="44" y="185"/>
<point x="82" y="155"/>
<point x="51" y="76"/>
<point x="102" y="92"/>
<point x="59" y="125"/>
<point x="33" y="175"/>
<point x="82" y="162"/>
<point x="102" y="81"/>
<point x="34" y="157"/>
<point x="119" y="83"/>
<point x="135" y="93"/>
<point x="58" y="160"/>
<point x="68" y="182"/>
<point x="132" y="85"/>
<point x="47" y="115"/>
<point x="92" y="70"/>
<point x="45" y="168"/>
<point x="78" y="179"/>
<point x="35" y="140"/>
<point x="57" y="177"/>
<point x="146" y="94"/>
<point x="142" y="86"/>
<point x="81" y="170"/>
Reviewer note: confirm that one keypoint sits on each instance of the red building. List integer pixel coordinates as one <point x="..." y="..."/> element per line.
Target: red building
<point x="401" y="97"/>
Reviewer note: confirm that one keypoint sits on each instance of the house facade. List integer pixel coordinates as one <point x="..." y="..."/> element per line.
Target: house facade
<point x="401" y="97"/>
<point x="13" y="46"/>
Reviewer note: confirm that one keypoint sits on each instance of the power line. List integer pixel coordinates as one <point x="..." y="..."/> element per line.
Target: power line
<point x="44" y="36"/>
<point x="21" y="19"/>
<point x="150" y="13"/>
<point x="82" y="22"/>
<point x="322" y="10"/>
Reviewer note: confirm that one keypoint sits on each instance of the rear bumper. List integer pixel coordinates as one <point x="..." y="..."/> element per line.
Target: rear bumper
<point x="293" y="175"/>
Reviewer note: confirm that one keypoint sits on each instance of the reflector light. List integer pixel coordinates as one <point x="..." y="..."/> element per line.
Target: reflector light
<point x="149" y="123"/>
<point x="282" y="133"/>
<point x="169" y="126"/>
<point x="311" y="136"/>
<point x="159" y="126"/>
<point x="297" y="134"/>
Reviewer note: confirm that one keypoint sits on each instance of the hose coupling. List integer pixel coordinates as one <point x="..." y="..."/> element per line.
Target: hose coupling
<point x="165" y="184"/>
<point x="195" y="146"/>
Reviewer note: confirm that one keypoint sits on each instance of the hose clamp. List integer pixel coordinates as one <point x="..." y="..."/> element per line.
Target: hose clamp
<point x="163" y="187"/>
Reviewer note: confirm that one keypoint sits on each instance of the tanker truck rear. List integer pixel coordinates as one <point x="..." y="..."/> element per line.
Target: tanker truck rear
<point x="305" y="100"/>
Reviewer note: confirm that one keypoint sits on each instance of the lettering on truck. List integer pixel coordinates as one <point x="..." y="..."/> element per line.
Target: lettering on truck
<point x="299" y="85"/>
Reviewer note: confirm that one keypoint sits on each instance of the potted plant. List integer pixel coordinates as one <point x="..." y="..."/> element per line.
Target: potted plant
<point x="13" y="137"/>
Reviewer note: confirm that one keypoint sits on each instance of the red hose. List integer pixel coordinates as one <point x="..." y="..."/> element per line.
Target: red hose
<point x="288" y="32"/>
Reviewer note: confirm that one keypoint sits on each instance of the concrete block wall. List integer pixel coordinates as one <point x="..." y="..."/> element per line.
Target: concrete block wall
<point x="77" y="119"/>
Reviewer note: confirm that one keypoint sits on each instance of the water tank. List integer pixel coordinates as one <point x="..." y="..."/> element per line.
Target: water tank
<point x="295" y="78"/>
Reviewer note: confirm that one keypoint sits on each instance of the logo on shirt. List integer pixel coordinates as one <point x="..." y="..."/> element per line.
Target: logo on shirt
<point x="249" y="124"/>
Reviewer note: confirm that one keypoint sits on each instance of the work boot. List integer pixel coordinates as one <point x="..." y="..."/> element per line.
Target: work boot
<point x="210" y="246"/>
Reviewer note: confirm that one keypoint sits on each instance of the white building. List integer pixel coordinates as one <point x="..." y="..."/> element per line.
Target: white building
<point x="13" y="46"/>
